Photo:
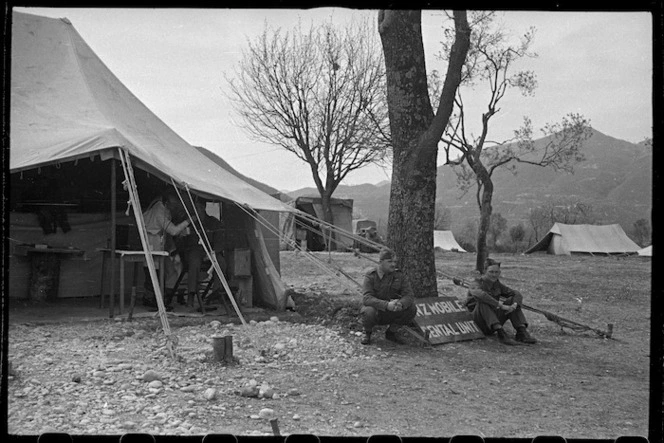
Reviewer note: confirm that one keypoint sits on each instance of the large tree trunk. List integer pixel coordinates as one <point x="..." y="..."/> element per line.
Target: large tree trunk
<point x="328" y="234"/>
<point x="415" y="135"/>
<point x="485" y="221"/>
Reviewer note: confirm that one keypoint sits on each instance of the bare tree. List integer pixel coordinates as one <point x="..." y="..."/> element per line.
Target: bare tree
<point x="517" y="233"/>
<point x="318" y="94"/>
<point x="491" y="61"/>
<point x="539" y="221"/>
<point x="416" y="131"/>
<point x="497" y="227"/>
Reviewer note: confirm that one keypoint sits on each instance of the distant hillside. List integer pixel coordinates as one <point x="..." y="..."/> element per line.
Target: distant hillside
<point x="615" y="178"/>
<point x="255" y="183"/>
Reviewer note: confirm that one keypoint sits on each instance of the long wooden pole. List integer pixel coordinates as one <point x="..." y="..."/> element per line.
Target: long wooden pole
<point x="142" y="232"/>
<point x="111" y="301"/>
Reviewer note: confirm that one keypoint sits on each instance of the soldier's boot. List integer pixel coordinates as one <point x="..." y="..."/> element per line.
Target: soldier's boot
<point x="504" y="338"/>
<point x="523" y="336"/>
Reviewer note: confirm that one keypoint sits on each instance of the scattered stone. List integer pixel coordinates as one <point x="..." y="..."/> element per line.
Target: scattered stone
<point x="254" y="417"/>
<point x="215" y="324"/>
<point x="274" y="319"/>
<point x="155" y="384"/>
<point x="266" y="414"/>
<point x="76" y="378"/>
<point x="293" y="392"/>
<point x="253" y="322"/>
<point x="151" y="375"/>
<point x="189" y="388"/>
<point x="357" y="424"/>
<point x="280" y="346"/>
<point x="210" y="394"/>
<point x="265" y="392"/>
<point x="296" y="417"/>
<point x="249" y="391"/>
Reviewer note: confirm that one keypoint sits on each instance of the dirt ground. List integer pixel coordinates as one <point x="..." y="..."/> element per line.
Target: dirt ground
<point x="78" y="371"/>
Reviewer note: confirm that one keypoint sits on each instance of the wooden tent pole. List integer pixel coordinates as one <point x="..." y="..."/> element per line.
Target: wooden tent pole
<point x="111" y="301"/>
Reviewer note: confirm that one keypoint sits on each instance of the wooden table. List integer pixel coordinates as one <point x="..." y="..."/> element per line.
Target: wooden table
<point x="134" y="257"/>
<point x="45" y="270"/>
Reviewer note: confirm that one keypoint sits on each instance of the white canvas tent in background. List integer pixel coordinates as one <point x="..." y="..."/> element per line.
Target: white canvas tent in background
<point x="645" y="252"/>
<point x="66" y="105"/>
<point x="565" y="239"/>
<point x="445" y="240"/>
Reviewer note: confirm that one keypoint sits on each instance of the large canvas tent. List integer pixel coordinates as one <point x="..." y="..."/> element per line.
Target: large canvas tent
<point x="565" y="239"/>
<point x="68" y="109"/>
<point x="445" y="240"/>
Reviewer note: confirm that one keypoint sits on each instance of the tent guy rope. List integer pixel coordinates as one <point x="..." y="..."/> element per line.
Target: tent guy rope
<point x="205" y="243"/>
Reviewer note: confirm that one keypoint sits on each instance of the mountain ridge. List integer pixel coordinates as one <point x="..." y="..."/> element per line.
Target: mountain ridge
<point x="615" y="178"/>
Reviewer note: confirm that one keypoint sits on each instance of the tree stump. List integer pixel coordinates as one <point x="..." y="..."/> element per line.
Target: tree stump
<point x="223" y="348"/>
<point x="44" y="276"/>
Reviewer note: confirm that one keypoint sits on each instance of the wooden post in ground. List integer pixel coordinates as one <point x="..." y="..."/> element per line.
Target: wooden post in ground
<point x="223" y="348"/>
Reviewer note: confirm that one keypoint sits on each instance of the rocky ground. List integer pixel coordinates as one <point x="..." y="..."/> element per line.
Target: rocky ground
<point x="307" y="372"/>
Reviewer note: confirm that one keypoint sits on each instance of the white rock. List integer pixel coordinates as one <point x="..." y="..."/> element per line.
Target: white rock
<point x="280" y="346"/>
<point x="155" y="384"/>
<point x="266" y="414"/>
<point x="210" y="394"/>
<point x="253" y="322"/>
<point x="215" y="324"/>
<point x="274" y="319"/>
<point x="357" y="424"/>
<point x="296" y="417"/>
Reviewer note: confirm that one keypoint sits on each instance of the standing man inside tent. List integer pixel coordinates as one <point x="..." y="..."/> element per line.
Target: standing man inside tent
<point x="387" y="299"/>
<point x="159" y="225"/>
<point x="193" y="253"/>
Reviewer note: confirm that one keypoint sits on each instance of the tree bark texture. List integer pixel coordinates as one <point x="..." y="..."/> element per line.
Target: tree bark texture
<point x="485" y="221"/>
<point x="415" y="135"/>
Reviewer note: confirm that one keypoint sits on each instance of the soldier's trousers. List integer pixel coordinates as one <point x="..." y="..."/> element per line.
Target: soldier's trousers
<point x="489" y="318"/>
<point x="372" y="317"/>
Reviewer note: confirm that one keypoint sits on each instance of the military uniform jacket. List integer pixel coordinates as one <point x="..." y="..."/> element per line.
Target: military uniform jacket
<point x="492" y="293"/>
<point x="377" y="292"/>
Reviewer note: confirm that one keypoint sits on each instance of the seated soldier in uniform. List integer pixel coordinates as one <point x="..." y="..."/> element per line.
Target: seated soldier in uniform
<point x="387" y="299"/>
<point x="492" y="304"/>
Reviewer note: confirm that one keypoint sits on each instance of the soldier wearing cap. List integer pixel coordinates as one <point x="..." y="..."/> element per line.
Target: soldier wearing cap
<point x="387" y="298"/>
<point x="492" y="304"/>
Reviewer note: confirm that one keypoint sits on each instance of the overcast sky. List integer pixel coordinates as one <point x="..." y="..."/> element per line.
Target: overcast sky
<point x="174" y="60"/>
